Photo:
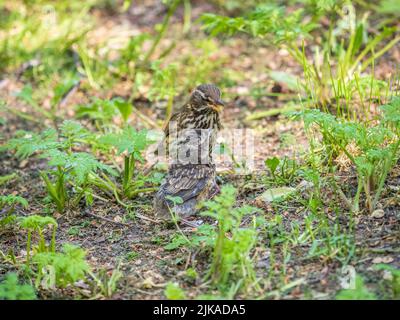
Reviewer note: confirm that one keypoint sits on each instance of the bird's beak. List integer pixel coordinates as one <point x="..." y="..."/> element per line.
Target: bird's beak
<point x="218" y="105"/>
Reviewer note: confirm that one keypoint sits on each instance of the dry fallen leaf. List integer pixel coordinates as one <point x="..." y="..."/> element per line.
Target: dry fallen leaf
<point x="387" y="275"/>
<point x="148" y="283"/>
<point x="386" y="259"/>
<point x="378" y="213"/>
<point x="276" y="194"/>
<point x="23" y="164"/>
<point x="57" y="215"/>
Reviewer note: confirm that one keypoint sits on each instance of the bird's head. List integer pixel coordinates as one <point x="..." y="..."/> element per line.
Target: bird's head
<point x="207" y="96"/>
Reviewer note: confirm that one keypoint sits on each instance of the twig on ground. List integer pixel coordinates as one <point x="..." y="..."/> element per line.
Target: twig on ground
<point x="70" y="92"/>
<point x="149" y="169"/>
<point x="146" y="218"/>
<point x="106" y="219"/>
<point x="188" y="223"/>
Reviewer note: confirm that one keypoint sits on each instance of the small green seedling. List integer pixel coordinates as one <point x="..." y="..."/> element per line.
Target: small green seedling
<point x="9" y="177"/>
<point x="231" y="262"/>
<point x="174" y="292"/>
<point x="65" y="166"/>
<point x="7" y="207"/>
<point x="395" y="281"/>
<point x="360" y="292"/>
<point x="38" y="224"/>
<point x="59" y="269"/>
<point x="130" y="256"/>
<point x="106" y="283"/>
<point x="376" y="147"/>
<point x="131" y="144"/>
<point x="10" y="289"/>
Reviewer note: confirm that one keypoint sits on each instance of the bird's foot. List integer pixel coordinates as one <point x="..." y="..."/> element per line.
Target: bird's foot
<point x="215" y="190"/>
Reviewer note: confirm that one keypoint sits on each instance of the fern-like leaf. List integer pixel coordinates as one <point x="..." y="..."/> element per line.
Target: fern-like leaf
<point x="129" y="140"/>
<point x="79" y="164"/>
<point x="27" y="143"/>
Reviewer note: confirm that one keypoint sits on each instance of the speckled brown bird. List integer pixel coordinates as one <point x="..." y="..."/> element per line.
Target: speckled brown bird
<point x="191" y="135"/>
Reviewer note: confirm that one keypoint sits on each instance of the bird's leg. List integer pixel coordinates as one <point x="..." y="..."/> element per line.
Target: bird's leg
<point x="214" y="190"/>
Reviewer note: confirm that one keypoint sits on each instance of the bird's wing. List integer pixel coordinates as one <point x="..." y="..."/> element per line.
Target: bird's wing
<point x="188" y="181"/>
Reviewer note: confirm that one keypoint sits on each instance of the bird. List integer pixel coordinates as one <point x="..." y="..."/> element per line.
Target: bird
<point x="191" y="136"/>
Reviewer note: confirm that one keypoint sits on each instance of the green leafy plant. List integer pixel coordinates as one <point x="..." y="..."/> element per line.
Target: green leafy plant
<point x="164" y="86"/>
<point x="7" y="178"/>
<point x="231" y="261"/>
<point x="373" y="150"/>
<point x="10" y="289"/>
<point x="130" y="57"/>
<point x="26" y="143"/>
<point x="191" y="274"/>
<point x="272" y="164"/>
<point x="395" y="281"/>
<point x="162" y="29"/>
<point x="204" y="238"/>
<point x="103" y="112"/>
<point x="26" y="95"/>
<point x="37" y="224"/>
<point x="61" y="89"/>
<point x="75" y="167"/>
<point x="106" y="284"/>
<point x="42" y="55"/>
<point x="131" y="144"/>
<point x="231" y="268"/>
<point x="174" y="292"/>
<point x="94" y="67"/>
<point x="60" y="268"/>
<point x="267" y="20"/>
<point x="335" y="69"/>
<point x="131" y="256"/>
<point x="7" y="207"/>
<point x="360" y="292"/>
<point x="66" y="165"/>
<point x="10" y="201"/>
<point x="331" y="241"/>
<point x="282" y="171"/>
